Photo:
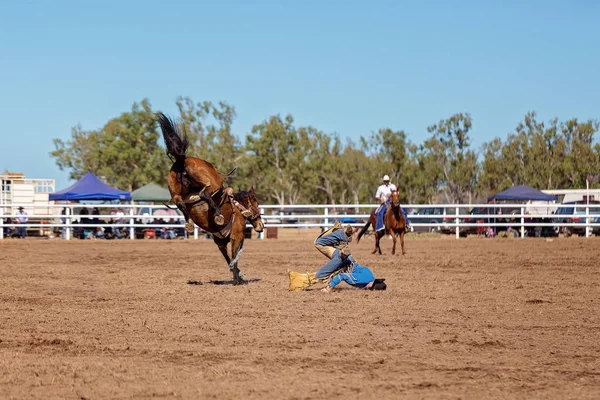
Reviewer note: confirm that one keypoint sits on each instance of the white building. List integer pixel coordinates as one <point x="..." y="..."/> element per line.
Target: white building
<point x="569" y="195"/>
<point x="32" y="194"/>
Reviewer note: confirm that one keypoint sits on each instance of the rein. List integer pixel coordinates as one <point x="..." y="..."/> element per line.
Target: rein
<point x="245" y="213"/>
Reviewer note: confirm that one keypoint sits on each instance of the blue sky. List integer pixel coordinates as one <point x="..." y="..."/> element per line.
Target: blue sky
<point x="346" y="67"/>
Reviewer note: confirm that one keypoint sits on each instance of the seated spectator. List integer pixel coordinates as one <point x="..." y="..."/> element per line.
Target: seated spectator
<point x="10" y="231"/>
<point x="167" y="233"/>
<point x="84" y="231"/>
<point x="95" y="219"/>
<point x="99" y="233"/>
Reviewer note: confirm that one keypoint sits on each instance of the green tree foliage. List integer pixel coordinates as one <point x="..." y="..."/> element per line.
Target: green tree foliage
<point x="582" y="161"/>
<point x="125" y="151"/>
<point x="209" y="129"/>
<point x="424" y="175"/>
<point x="277" y="157"/>
<point x="357" y="172"/>
<point x="552" y="156"/>
<point x="450" y="145"/>
<point x="388" y="149"/>
<point x="80" y="155"/>
<point x="288" y="164"/>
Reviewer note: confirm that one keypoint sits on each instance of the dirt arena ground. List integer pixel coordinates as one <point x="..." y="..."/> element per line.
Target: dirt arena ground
<point x="470" y="319"/>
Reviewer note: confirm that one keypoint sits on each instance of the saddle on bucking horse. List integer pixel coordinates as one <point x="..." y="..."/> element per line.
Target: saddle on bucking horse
<point x="204" y="201"/>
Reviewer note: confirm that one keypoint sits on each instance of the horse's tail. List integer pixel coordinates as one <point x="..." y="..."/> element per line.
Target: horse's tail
<point x="229" y="173"/>
<point x="363" y="230"/>
<point x="176" y="142"/>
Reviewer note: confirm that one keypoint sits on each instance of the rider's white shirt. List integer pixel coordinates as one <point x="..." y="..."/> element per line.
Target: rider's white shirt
<point x="385" y="191"/>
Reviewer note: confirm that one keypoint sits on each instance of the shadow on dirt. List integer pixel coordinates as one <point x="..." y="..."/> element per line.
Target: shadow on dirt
<point x="211" y="282"/>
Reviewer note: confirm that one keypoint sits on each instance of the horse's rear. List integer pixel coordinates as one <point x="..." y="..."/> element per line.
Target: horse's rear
<point x="194" y="174"/>
<point x="371" y="221"/>
<point x="190" y="174"/>
<point x="378" y="234"/>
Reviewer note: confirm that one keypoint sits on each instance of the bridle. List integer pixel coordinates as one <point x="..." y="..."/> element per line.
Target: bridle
<point x="395" y="204"/>
<point x="245" y="209"/>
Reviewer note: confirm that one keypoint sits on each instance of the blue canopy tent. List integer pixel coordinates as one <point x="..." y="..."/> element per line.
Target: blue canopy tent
<point x="522" y="193"/>
<point x="89" y="187"/>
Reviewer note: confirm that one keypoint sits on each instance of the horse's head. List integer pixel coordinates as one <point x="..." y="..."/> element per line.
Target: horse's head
<point x="395" y="198"/>
<point x="252" y="212"/>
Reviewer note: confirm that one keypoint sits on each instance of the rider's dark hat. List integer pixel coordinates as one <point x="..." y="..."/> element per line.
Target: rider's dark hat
<point x="378" y="284"/>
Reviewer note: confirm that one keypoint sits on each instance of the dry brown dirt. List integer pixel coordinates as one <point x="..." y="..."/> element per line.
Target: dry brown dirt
<point x="469" y="318"/>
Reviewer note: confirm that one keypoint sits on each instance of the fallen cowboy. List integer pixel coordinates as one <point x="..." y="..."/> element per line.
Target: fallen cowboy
<point x="333" y="243"/>
<point x="354" y="275"/>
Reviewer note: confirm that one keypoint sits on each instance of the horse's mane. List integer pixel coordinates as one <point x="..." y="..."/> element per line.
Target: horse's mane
<point x="241" y="196"/>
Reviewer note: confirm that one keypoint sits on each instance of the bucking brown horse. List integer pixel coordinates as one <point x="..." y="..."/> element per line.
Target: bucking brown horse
<point x="198" y="190"/>
<point x="394" y="224"/>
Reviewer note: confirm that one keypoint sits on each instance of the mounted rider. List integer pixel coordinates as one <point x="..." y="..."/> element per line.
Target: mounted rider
<point x="384" y="191"/>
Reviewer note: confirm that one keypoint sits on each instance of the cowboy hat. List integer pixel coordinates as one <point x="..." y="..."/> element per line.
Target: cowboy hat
<point x="378" y="284"/>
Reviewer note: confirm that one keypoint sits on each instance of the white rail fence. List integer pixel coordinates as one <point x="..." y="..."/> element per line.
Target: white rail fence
<point x="454" y="219"/>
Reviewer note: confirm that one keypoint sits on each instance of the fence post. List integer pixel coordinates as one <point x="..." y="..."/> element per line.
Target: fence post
<point x="326" y="213"/>
<point x="1" y="223"/>
<point x="457" y="222"/>
<point x="587" y="222"/>
<point x="262" y="235"/>
<point x="68" y="222"/>
<point x="522" y="222"/>
<point x="131" y="222"/>
<point x="195" y="232"/>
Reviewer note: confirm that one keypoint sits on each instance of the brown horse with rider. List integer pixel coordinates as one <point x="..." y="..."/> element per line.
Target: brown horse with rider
<point x="394" y="221"/>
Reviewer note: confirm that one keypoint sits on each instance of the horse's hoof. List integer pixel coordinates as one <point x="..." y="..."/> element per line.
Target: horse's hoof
<point x="219" y="220"/>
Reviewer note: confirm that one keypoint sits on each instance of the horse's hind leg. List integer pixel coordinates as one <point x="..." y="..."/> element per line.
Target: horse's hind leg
<point x="176" y="187"/>
<point x="219" y="219"/>
<point x="223" y="249"/>
<point x="222" y="245"/>
<point x="378" y="236"/>
<point x="376" y="243"/>
<point x="189" y="224"/>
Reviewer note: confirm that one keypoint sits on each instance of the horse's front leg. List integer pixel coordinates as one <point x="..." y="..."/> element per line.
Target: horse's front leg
<point x="394" y="245"/>
<point x="237" y="245"/>
<point x="401" y="242"/>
